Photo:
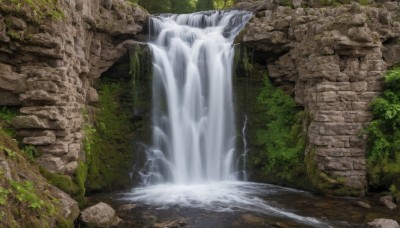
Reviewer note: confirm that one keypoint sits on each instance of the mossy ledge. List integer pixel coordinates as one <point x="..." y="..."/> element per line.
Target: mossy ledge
<point x="26" y="198"/>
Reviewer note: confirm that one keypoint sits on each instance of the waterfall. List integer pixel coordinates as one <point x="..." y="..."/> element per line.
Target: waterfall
<point x="193" y="119"/>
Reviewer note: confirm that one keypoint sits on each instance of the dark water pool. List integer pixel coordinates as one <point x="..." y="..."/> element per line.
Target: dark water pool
<point x="239" y="204"/>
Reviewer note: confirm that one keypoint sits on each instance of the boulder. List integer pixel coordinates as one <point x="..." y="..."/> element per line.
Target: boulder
<point x="383" y="223"/>
<point x="99" y="215"/>
<point x="388" y="202"/>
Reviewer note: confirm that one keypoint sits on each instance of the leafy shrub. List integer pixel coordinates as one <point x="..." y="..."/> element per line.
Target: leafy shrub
<point x="283" y="138"/>
<point x="3" y="195"/>
<point x="7" y="115"/>
<point x="384" y="136"/>
<point x="25" y="193"/>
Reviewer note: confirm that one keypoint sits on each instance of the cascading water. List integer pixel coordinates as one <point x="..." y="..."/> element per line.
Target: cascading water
<point x="194" y="131"/>
<point x="192" y="161"/>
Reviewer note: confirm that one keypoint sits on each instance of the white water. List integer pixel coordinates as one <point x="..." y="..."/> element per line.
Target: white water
<point x="194" y="132"/>
<point x="193" y="162"/>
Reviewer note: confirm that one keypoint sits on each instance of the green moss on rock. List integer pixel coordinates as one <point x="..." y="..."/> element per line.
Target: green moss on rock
<point x="118" y="122"/>
<point x="26" y="199"/>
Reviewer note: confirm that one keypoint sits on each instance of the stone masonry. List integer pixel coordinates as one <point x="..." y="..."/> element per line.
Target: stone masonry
<point x="49" y="69"/>
<point x="332" y="60"/>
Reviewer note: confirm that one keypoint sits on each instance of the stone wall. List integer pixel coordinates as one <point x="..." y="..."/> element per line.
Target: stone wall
<point x="48" y="67"/>
<point x="332" y="60"/>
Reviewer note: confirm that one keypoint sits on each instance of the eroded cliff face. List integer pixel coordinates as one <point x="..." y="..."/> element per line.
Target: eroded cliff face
<point x="48" y="67"/>
<point x="332" y="60"/>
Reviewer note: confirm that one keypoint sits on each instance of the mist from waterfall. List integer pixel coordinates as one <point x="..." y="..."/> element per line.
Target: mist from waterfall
<point x="194" y="133"/>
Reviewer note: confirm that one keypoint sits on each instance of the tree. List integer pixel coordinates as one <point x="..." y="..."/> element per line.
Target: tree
<point x="205" y="5"/>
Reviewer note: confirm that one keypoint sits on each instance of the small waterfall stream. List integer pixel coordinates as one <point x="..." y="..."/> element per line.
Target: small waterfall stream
<point x="193" y="118"/>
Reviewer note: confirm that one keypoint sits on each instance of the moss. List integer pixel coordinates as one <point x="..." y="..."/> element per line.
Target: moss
<point x="327" y="184"/>
<point x="35" y="11"/>
<point x="110" y="148"/>
<point x="364" y="2"/>
<point x="62" y="182"/>
<point x="28" y="202"/>
<point x="75" y="186"/>
<point x="117" y="122"/>
<point x="64" y="223"/>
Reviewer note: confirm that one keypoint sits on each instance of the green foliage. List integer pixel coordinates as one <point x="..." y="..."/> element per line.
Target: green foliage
<point x="25" y="193"/>
<point x="384" y="136"/>
<point x="30" y="152"/>
<point x="283" y="138"/>
<point x="108" y="155"/>
<point x="204" y="5"/>
<point x="7" y="115"/>
<point x="8" y="152"/>
<point x="364" y="2"/>
<point x="3" y="195"/>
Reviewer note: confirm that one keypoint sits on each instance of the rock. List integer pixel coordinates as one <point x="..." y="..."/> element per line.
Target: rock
<point x="297" y="3"/>
<point x="52" y="69"/>
<point x="107" y="4"/>
<point x="70" y="206"/>
<point x="362" y="204"/>
<point x="388" y="202"/>
<point x="333" y="58"/>
<point x="16" y="23"/>
<point x="127" y="207"/>
<point x="391" y="54"/>
<point x="383" y="223"/>
<point x="47" y="138"/>
<point x="99" y="215"/>
<point x="92" y="96"/>
<point x="172" y="224"/>
<point x="51" y="163"/>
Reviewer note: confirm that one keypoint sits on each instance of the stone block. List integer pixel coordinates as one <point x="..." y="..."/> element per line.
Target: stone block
<point x="51" y="163"/>
<point x="360" y="106"/>
<point x="359" y="86"/>
<point x="329" y="116"/>
<point x="327" y="97"/>
<point x="47" y="138"/>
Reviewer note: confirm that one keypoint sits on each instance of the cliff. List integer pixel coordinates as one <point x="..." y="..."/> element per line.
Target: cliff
<point x="51" y="54"/>
<point x="332" y="61"/>
<point x="48" y="65"/>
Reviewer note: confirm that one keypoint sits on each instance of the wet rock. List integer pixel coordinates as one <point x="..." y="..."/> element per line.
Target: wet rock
<point x="362" y="204"/>
<point x="174" y="224"/>
<point x="100" y="215"/>
<point x="248" y="218"/>
<point x="127" y="207"/>
<point x="388" y="201"/>
<point x="297" y="3"/>
<point x="383" y="223"/>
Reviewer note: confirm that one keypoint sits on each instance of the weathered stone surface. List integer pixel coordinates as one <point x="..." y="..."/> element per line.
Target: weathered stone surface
<point x="70" y="206"/>
<point x="50" y="69"/>
<point x="99" y="215"/>
<point x="336" y="58"/>
<point x="388" y="201"/>
<point x="383" y="223"/>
